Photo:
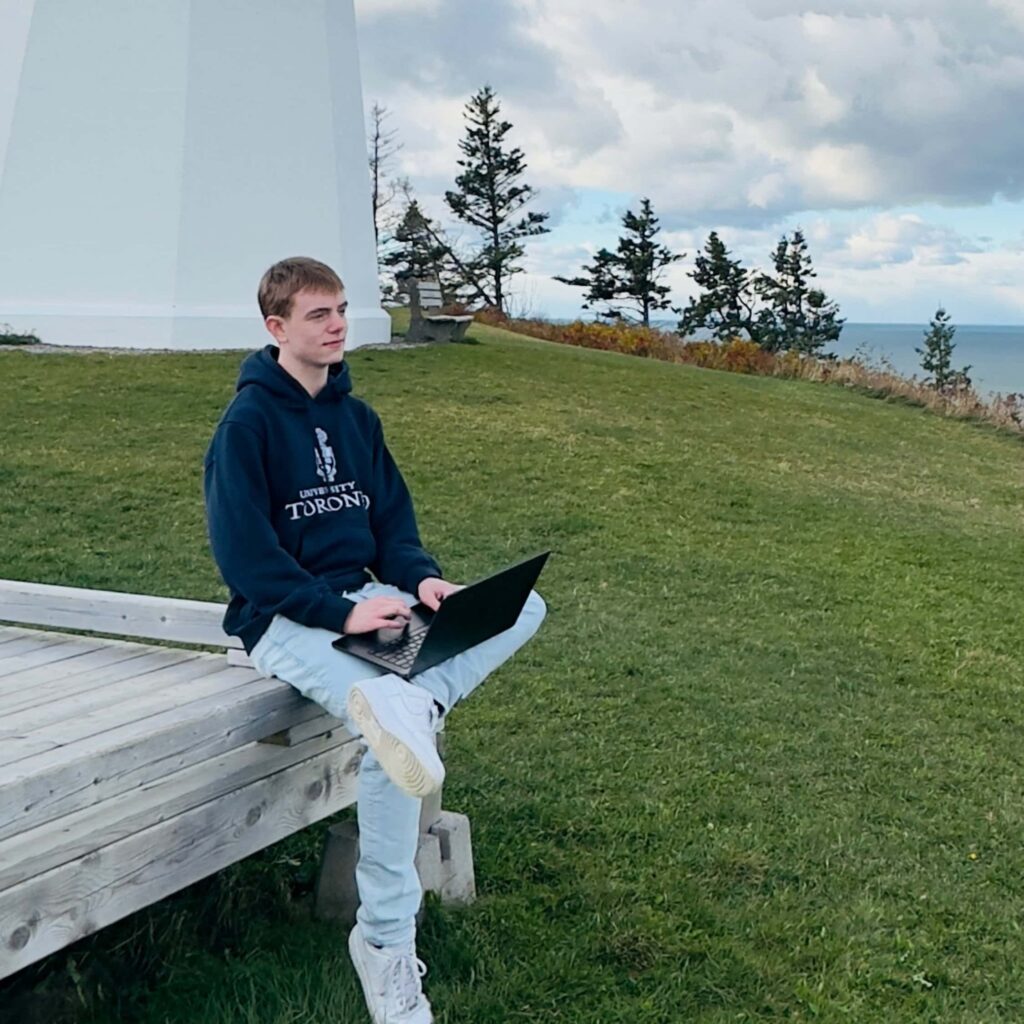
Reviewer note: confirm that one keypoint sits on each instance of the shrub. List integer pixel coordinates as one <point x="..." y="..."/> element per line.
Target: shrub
<point x="741" y="356"/>
<point x="619" y="336"/>
<point x="736" y="355"/>
<point x="8" y="336"/>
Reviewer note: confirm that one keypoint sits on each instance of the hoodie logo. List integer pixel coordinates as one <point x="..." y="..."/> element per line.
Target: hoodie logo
<point x="326" y="464"/>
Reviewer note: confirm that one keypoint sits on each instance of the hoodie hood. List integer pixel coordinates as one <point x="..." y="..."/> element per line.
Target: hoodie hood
<point x="261" y="369"/>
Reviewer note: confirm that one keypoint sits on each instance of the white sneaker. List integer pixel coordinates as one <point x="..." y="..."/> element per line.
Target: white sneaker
<point x="398" y="721"/>
<point x="391" y="980"/>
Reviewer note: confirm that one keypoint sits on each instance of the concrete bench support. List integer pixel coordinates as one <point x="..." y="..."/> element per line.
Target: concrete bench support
<point x="455" y="881"/>
<point x="444" y="860"/>
<point x="336" y="895"/>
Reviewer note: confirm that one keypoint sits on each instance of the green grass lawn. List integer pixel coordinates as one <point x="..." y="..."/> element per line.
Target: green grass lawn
<point x="763" y="762"/>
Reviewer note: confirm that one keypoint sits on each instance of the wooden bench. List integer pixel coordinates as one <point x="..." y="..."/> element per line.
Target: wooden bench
<point x="425" y="295"/>
<point x="129" y="770"/>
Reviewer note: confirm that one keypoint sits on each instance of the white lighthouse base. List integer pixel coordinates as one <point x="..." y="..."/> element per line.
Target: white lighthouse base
<point x="157" y="157"/>
<point x="189" y="331"/>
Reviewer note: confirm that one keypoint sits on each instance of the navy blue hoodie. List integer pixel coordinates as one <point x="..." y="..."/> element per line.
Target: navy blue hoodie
<point x="302" y="497"/>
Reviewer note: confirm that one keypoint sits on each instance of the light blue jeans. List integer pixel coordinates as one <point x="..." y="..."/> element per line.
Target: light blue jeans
<point x="389" y="887"/>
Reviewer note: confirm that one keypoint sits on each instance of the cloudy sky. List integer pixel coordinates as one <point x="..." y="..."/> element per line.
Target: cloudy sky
<point x="891" y="132"/>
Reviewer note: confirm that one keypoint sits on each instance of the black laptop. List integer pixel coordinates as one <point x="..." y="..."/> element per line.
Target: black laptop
<point x="466" y="618"/>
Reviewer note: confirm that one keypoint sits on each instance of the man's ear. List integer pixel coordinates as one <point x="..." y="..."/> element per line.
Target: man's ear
<point x="275" y="325"/>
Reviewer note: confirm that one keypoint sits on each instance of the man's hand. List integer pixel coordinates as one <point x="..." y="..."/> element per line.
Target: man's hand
<point x="433" y="591"/>
<point x="378" y="613"/>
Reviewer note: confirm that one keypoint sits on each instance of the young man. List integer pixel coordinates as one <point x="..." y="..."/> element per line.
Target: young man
<point x="302" y="498"/>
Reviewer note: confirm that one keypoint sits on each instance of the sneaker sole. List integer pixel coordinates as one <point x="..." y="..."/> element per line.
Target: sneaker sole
<point x="402" y="766"/>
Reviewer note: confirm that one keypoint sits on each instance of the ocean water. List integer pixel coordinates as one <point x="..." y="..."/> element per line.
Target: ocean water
<point x="995" y="353"/>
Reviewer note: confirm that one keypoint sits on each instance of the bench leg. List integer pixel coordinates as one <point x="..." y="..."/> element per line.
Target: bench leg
<point x="444" y="861"/>
<point x="416" y="332"/>
<point x="458" y="881"/>
<point x="336" y="894"/>
<point x="443" y="330"/>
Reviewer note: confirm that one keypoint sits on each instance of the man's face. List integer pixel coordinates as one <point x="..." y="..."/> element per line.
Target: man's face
<point x="313" y="334"/>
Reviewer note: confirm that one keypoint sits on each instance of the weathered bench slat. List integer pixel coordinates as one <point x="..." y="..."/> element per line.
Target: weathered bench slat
<point x="104" y="651"/>
<point x="105" y="611"/>
<point x="191" y="681"/>
<point x="101" y="668"/>
<point x="26" y="642"/>
<point x="60" y="781"/>
<point x="75" y="835"/>
<point x="47" y="655"/>
<point x="135" y="696"/>
<point x="30" y="746"/>
<point x="199" y="678"/>
<point x="52" y="910"/>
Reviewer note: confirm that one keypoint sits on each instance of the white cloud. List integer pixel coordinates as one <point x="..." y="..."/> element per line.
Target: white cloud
<point x="839" y="175"/>
<point x="824" y="105"/>
<point x="741" y="109"/>
<point x="888" y="239"/>
<point x="1012" y="9"/>
<point x="984" y="288"/>
<point x="732" y="114"/>
<point x="766" y="191"/>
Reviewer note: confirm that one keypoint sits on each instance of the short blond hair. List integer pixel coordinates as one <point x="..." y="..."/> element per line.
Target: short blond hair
<point x="286" y="278"/>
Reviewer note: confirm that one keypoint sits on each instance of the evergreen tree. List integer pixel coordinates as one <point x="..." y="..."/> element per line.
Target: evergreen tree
<point x="796" y="315"/>
<point x="725" y="305"/>
<point x="414" y="250"/>
<point x="937" y="355"/>
<point x="418" y="247"/>
<point x="490" y="197"/>
<point x="628" y="281"/>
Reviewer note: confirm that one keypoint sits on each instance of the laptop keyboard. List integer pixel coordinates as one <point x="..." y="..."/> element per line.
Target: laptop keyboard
<point x="402" y="652"/>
